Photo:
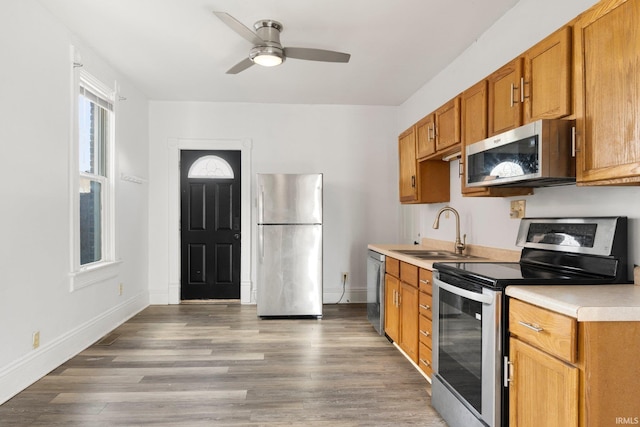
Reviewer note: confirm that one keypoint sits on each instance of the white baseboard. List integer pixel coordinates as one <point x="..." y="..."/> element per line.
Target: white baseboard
<point x="23" y="372"/>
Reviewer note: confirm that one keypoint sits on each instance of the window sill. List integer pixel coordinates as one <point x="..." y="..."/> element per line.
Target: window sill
<point x="94" y="274"/>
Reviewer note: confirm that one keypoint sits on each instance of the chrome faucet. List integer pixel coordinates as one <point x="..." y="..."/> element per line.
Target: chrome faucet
<point x="459" y="245"/>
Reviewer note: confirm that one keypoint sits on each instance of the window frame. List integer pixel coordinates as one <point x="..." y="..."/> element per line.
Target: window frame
<point x="108" y="266"/>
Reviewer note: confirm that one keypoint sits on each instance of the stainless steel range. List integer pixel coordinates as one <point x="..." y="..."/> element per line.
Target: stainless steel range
<point x="470" y="327"/>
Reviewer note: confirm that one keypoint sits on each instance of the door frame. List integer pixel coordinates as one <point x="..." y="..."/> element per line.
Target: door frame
<point x="175" y="146"/>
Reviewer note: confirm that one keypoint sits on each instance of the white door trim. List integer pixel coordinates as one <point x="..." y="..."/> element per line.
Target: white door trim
<point x="244" y="146"/>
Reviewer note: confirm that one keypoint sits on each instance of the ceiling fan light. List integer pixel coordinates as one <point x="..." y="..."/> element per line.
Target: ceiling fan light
<point x="267" y="56"/>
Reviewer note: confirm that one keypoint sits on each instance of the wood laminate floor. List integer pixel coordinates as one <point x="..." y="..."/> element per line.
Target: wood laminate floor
<point x="220" y="365"/>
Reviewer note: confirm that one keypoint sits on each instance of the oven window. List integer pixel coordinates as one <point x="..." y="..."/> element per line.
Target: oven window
<point x="460" y="346"/>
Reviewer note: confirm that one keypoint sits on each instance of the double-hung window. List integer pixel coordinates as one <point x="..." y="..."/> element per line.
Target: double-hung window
<point x="93" y="182"/>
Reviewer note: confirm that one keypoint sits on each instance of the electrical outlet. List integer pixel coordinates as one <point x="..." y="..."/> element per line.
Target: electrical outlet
<point x="36" y="339"/>
<point x="120" y="288"/>
<point x="345" y="277"/>
<point x="517" y="209"/>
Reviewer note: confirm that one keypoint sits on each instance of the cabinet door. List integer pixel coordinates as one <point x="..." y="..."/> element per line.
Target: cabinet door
<point x="543" y="391"/>
<point x="426" y="136"/>
<point x="448" y="127"/>
<point x="409" y="320"/>
<point x="607" y="58"/>
<point x="391" y="307"/>
<point x="546" y="87"/>
<point x="407" y="156"/>
<point x="505" y="108"/>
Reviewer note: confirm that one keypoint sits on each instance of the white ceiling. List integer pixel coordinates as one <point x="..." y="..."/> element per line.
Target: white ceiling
<point x="179" y="50"/>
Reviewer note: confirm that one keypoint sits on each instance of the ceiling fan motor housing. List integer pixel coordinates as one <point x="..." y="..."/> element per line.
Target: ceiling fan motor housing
<point x="269" y="31"/>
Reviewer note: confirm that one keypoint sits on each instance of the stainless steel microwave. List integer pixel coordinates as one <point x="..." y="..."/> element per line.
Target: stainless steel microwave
<point x="538" y="154"/>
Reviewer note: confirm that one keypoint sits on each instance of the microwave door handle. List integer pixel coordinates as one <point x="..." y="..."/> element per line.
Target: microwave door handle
<point x="474" y="296"/>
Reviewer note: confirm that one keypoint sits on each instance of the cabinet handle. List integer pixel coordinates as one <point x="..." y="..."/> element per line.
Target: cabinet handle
<point x="425" y="306"/>
<point x="426" y="282"/>
<point x="530" y="326"/>
<point x="512" y="87"/>
<point x="522" y="83"/>
<point x="413" y="181"/>
<point x="425" y="362"/>
<point x="425" y="333"/>
<point x="573" y="141"/>
<point x="508" y="372"/>
<point x="431" y="133"/>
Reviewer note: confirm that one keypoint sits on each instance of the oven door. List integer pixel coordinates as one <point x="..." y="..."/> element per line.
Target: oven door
<point x="467" y="356"/>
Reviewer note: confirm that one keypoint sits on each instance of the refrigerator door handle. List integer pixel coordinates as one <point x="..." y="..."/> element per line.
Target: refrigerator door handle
<point x="261" y="204"/>
<point x="261" y="243"/>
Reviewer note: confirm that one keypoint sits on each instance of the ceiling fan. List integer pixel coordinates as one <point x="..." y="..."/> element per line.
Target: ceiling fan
<point x="267" y="50"/>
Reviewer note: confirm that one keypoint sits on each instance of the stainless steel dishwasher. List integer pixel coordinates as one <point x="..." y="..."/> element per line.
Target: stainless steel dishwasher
<point x="375" y="290"/>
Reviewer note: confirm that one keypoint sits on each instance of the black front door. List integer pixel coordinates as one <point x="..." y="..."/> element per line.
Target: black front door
<point x="210" y="224"/>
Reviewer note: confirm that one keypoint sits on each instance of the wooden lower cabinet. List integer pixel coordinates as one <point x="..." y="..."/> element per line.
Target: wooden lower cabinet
<point x="409" y="320"/>
<point x="425" y="325"/>
<point x="401" y="306"/>
<point x="543" y="390"/>
<point x="599" y="388"/>
<point x="408" y="311"/>
<point x="391" y="307"/>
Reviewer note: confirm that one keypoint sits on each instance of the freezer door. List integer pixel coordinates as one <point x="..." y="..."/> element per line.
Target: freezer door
<point x="289" y="270"/>
<point x="289" y="198"/>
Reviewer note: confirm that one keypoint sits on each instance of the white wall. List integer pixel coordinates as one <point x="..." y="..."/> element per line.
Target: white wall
<point x="35" y="105"/>
<point x="486" y="220"/>
<point x="352" y="146"/>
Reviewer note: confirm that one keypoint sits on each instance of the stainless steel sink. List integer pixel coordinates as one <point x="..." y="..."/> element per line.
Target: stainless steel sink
<point x="432" y="254"/>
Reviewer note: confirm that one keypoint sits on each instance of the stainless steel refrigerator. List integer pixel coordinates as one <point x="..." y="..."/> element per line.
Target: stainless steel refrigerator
<point x="289" y="253"/>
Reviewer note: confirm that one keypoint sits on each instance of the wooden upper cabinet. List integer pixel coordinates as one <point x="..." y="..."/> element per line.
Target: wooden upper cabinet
<point x="425" y="181"/>
<point x="426" y="136"/>
<point x="607" y="85"/>
<point x="545" y="88"/>
<point x="407" y="156"/>
<point x="447" y="120"/>
<point x="505" y="108"/>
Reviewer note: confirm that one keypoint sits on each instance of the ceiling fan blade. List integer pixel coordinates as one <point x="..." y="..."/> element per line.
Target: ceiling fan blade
<point x="240" y="66"/>
<point x="239" y="28"/>
<point x="316" y="54"/>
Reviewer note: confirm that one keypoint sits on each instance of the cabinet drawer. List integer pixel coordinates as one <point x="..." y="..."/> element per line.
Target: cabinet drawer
<point x="425" y="304"/>
<point x="392" y="267"/>
<point x="424" y="359"/>
<point x="552" y="332"/>
<point x="409" y="273"/>
<point x="425" y="330"/>
<point x="426" y="281"/>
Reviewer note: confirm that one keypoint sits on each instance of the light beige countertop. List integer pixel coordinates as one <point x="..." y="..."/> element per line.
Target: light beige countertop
<point x="587" y="303"/>
<point x="484" y="254"/>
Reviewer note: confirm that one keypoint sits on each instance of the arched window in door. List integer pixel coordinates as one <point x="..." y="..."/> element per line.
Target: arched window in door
<point x="211" y="167"/>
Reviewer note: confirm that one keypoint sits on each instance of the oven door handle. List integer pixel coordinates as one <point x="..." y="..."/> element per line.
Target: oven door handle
<point x="474" y="296"/>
